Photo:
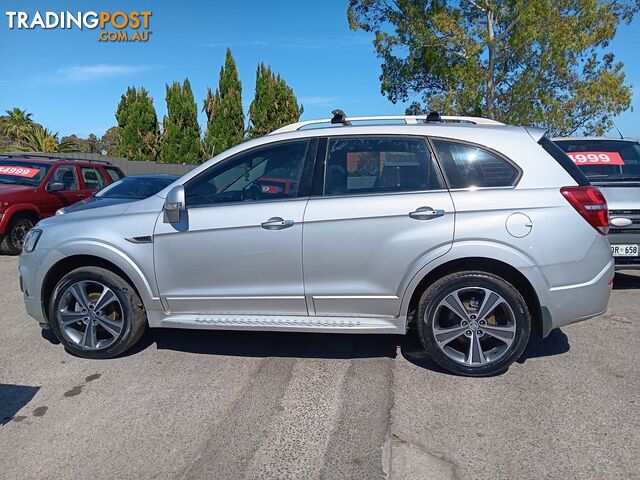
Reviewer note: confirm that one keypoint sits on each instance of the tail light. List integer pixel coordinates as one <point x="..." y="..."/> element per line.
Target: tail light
<point x="591" y="204"/>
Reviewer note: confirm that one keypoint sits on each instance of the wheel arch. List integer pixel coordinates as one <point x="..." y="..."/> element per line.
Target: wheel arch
<point x="67" y="264"/>
<point x="484" y="264"/>
<point x="18" y="211"/>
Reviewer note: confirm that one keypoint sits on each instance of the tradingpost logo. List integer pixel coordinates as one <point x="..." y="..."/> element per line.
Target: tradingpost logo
<point x="114" y="26"/>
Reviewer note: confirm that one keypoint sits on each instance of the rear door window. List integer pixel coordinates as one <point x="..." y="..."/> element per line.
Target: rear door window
<point x="470" y="166"/>
<point x="365" y="165"/>
<point x="93" y="178"/>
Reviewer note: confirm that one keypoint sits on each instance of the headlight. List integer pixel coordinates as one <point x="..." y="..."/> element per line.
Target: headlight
<point x="31" y="239"/>
<point x="60" y="211"/>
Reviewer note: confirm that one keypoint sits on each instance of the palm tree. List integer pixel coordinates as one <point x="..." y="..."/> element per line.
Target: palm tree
<point x="15" y="123"/>
<point x="40" y="139"/>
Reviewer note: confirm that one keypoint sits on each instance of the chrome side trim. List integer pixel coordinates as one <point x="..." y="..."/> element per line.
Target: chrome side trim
<point x="240" y="297"/>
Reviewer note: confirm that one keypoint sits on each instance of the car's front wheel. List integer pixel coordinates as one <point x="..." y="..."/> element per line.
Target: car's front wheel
<point x="13" y="239"/>
<point x="473" y="323"/>
<point x="95" y="313"/>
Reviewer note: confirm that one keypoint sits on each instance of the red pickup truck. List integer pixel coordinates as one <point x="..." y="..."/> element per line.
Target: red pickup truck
<point x="34" y="187"/>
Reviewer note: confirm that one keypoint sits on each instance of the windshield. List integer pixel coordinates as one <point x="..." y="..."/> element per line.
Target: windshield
<point x="13" y="172"/>
<point x="136" y="188"/>
<point x="605" y="160"/>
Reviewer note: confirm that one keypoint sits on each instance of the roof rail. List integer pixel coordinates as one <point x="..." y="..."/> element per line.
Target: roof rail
<point x="53" y="157"/>
<point x="408" y="120"/>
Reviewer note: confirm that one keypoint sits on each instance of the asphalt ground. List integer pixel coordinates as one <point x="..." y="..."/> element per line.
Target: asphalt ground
<point x="231" y="405"/>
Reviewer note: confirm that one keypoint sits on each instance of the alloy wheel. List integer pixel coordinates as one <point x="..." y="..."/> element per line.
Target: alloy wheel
<point x="90" y="315"/>
<point x="474" y="326"/>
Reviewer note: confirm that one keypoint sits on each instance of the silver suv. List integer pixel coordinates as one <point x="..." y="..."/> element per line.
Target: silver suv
<point x="475" y="232"/>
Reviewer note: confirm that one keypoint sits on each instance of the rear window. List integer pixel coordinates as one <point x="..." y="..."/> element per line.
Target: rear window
<point x="604" y="160"/>
<point x="564" y="161"/>
<point x="470" y="166"/>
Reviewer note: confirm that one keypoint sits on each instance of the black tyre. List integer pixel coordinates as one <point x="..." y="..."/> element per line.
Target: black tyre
<point x="13" y="238"/>
<point x="473" y="323"/>
<point x="95" y="313"/>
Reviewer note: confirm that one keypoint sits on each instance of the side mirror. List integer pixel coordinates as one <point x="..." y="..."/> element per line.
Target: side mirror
<point x="54" y="186"/>
<point x="174" y="204"/>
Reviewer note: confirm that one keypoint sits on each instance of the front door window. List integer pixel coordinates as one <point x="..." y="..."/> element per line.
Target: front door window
<point x="268" y="173"/>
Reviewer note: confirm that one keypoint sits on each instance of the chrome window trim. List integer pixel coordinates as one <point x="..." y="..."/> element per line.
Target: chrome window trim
<point x="249" y="202"/>
<point x="380" y="194"/>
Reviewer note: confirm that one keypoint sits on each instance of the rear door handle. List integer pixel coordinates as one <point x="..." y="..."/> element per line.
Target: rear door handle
<point x="426" y="213"/>
<point x="277" y="223"/>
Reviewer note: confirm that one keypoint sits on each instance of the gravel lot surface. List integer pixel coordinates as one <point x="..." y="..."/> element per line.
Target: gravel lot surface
<point x="231" y="405"/>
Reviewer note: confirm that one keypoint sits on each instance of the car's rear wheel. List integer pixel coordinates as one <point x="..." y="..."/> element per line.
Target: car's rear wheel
<point x="13" y="238"/>
<point x="473" y="323"/>
<point x="95" y="313"/>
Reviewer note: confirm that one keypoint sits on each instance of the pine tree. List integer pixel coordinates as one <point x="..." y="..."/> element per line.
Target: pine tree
<point x="181" y="133"/>
<point x="274" y="103"/>
<point x="225" y="126"/>
<point x="138" y="124"/>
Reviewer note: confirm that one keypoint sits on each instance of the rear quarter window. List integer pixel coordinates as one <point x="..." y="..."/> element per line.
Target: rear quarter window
<point x="114" y="173"/>
<point x="471" y="166"/>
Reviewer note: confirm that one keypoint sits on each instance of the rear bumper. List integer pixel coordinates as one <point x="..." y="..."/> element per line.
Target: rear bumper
<point x="574" y="303"/>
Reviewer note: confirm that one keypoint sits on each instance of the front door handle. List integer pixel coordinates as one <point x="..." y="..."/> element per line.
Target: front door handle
<point x="277" y="223"/>
<point x="426" y="213"/>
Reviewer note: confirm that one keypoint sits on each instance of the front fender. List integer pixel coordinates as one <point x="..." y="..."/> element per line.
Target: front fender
<point x="120" y="259"/>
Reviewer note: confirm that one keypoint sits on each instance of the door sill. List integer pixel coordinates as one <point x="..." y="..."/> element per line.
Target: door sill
<point x="284" y="323"/>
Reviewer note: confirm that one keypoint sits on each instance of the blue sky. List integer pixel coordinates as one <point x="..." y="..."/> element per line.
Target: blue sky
<point x="72" y="83"/>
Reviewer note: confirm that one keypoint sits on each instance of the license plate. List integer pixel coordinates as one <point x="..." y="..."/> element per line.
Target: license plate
<point x="625" y="250"/>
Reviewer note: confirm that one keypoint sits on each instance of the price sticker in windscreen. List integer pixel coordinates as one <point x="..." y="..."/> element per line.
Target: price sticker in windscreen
<point x="16" y="171"/>
<point x="596" y="158"/>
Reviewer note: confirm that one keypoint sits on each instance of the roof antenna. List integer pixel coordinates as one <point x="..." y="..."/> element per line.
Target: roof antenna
<point x="434" y="117"/>
<point x="617" y="129"/>
<point x="339" y="117"/>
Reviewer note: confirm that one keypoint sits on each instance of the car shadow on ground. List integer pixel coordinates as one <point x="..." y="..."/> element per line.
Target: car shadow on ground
<point x="48" y="335"/>
<point x="627" y="280"/>
<point x="12" y="399"/>
<point x="313" y="345"/>
<point x="269" y="344"/>
<point x="319" y="345"/>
